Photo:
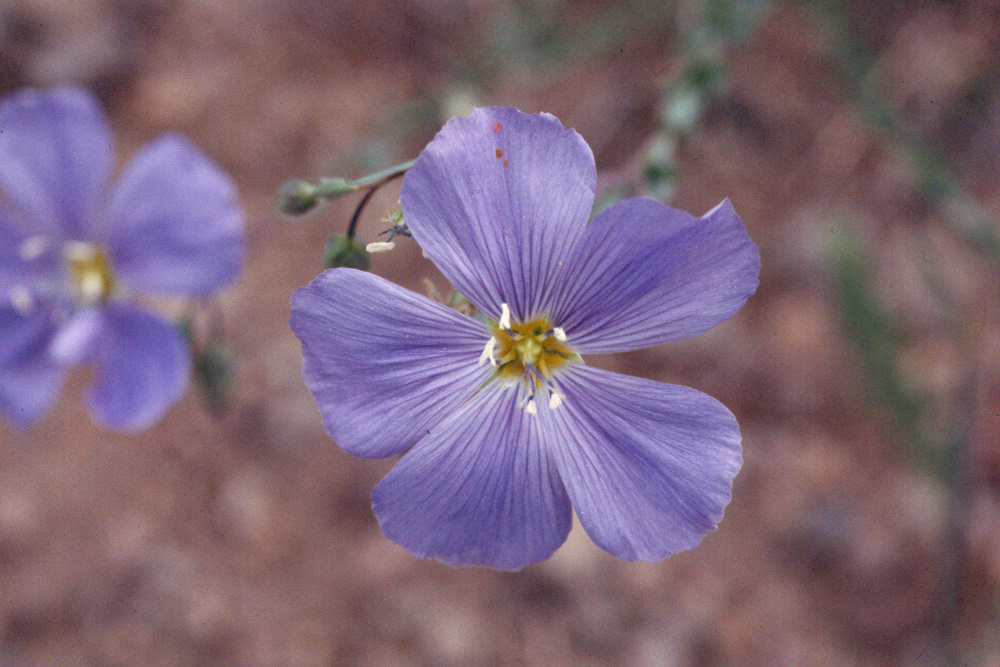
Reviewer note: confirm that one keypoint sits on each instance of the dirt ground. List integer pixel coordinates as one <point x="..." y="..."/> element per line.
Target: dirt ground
<point x="249" y="539"/>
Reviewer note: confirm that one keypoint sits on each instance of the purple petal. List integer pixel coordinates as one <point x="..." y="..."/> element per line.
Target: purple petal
<point x="28" y="389"/>
<point x="12" y="234"/>
<point x="143" y="366"/>
<point x="55" y="158"/>
<point x="29" y="379"/>
<point x="648" y="466"/>
<point x="78" y="339"/>
<point x="173" y="223"/>
<point x="24" y="335"/>
<point x="384" y="364"/>
<point x="645" y="274"/>
<point x="481" y="489"/>
<point x="498" y="227"/>
<point x="26" y="257"/>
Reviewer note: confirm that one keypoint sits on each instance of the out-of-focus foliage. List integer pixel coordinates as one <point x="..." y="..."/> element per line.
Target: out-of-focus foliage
<point x="215" y="372"/>
<point x="346" y="251"/>
<point x="710" y="31"/>
<point x="934" y="174"/>
<point x="878" y="345"/>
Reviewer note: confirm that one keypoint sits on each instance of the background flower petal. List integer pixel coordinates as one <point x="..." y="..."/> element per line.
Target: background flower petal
<point x="77" y="339"/>
<point x="55" y="158"/>
<point x="173" y="223"/>
<point x="29" y="379"/>
<point x="143" y="365"/>
<point x="644" y="274"/>
<point x="12" y="264"/>
<point x="496" y="200"/>
<point x="383" y="363"/>
<point x="648" y="466"/>
<point x="26" y="258"/>
<point x="480" y="489"/>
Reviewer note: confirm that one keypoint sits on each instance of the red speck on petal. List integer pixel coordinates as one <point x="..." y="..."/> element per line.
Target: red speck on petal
<point x="505" y="162"/>
<point x="499" y="153"/>
<point x="496" y="128"/>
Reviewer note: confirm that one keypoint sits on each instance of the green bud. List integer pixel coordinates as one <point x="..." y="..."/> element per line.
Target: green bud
<point x="296" y="197"/>
<point x="458" y="301"/>
<point x="214" y="370"/>
<point x="682" y="110"/>
<point x="345" y="251"/>
<point x="659" y="170"/>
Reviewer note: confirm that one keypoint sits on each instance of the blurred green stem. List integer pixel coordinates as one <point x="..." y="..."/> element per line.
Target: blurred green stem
<point x="877" y="342"/>
<point x="374" y="182"/>
<point x="385" y="175"/>
<point x="332" y="188"/>
<point x="964" y="215"/>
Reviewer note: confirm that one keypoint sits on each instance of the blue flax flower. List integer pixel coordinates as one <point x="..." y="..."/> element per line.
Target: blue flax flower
<point x="501" y="427"/>
<point x="73" y="253"/>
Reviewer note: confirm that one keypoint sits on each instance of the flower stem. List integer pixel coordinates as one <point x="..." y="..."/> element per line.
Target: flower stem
<point x="374" y="182"/>
<point x="384" y="176"/>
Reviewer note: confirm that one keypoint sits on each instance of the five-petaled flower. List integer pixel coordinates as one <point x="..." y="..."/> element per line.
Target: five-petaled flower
<point x="72" y="253"/>
<point x="501" y="427"/>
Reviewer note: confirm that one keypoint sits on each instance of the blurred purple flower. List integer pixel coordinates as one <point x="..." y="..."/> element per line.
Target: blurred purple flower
<point x="502" y="428"/>
<point x="72" y="252"/>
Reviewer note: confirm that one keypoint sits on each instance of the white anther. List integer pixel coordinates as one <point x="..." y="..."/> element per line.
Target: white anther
<point x="555" y="400"/>
<point x="380" y="246"/>
<point x="91" y="286"/>
<point x="531" y="408"/>
<point x="79" y="250"/>
<point x="489" y="352"/>
<point x="22" y="300"/>
<point x="559" y="334"/>
<point x="504" y="322"/>
<point x="33" y="247"/>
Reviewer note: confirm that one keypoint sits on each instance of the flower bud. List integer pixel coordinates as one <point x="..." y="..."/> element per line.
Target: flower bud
<point x="345" y="251"/>
<point x="296" y="197"/>
<point x="214" y="369"/>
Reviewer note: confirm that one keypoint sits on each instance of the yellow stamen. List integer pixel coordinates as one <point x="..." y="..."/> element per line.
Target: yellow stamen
<point x="529" y="345"/>
<point x="90" y="272"/>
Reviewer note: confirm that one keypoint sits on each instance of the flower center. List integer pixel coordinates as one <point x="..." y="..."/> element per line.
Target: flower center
<point x="529" y="350"/>
<point x="532" y="350"/>
<point x="90" y="273"/>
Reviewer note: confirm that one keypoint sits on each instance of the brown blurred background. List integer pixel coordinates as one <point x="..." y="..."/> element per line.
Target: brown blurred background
<point x="860" y="141"/>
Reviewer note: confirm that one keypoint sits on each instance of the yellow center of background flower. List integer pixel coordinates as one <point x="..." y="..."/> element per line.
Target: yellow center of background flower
<point x="530" y="344"/>
<point x="90" y="272"/>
